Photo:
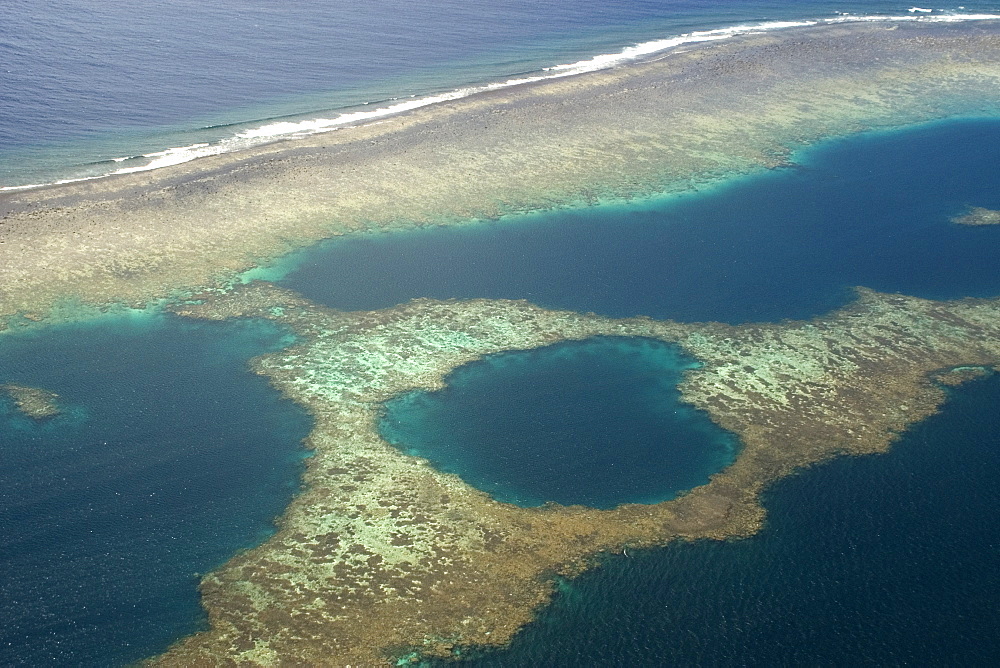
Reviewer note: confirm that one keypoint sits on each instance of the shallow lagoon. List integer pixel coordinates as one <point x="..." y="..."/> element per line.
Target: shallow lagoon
<point x="869" y="210"/>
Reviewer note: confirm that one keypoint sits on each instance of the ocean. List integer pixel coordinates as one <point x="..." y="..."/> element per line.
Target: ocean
<point x="89" y="88"/>
<point x="170" y="455"/>
<point x="883" y="560"/>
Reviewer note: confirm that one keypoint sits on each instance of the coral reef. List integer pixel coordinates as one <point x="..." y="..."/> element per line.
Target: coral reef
<point x="381" y="555"/>
<point x="977" y="215"/>
<point x="688" y="117"/>
<point x="32" y="402"/>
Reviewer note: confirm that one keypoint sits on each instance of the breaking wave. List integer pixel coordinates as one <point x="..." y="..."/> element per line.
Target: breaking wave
<point x="279" y="129"/>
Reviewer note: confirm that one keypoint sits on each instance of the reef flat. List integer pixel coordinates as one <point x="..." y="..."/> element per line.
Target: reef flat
<point x="977" y="215"/>
<point x="32" y="402"/>
<point x="688" y="116"/>
<point x="382" y="557"/>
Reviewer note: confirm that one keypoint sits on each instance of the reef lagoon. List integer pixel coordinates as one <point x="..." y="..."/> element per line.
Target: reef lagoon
<point x="872" y="210"/>
<point x="167" y="456"/>
<point x="597" y="423"/>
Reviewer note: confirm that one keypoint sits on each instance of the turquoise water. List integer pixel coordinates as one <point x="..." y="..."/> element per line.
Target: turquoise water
<point x="596" y="423"/>
<point x="869" y="210"/>
<point x="169" y="456"/>
<point x="885" y="560"/>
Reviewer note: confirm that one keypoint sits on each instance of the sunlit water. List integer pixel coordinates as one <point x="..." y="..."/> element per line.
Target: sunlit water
<point x="89" y="88"/>
<point x="170" y="455"/>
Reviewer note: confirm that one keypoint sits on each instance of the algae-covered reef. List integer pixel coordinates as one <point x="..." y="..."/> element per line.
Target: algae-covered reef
<point x="976" y="216"/>
<point x="33" y="402"/>
<point x="689" y="116"/>
<point x="382" y="555"/>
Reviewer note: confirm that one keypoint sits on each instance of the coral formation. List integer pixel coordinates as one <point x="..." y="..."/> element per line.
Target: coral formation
<point x="977" y="215"/>
<point x="688" y="117"/>
<point x="33" y="402"/>
<point x="382" y="555"/>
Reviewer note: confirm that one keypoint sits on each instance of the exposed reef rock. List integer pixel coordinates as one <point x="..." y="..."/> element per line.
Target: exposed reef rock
<point x="961" y="374"/>
<point x="32" y="402"/>
<point x="976" y="216"/>
<point x="382" y="555"/>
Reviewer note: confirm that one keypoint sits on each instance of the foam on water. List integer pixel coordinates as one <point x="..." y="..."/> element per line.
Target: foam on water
<point x="288" y="129"/>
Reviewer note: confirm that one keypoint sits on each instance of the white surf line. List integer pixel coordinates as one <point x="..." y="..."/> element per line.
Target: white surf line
<point x="295" y="129"/>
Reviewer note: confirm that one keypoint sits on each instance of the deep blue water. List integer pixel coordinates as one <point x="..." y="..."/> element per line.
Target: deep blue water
<point x="884" y="560"/>
<point x="596" y="422"/>
<point x="869" y="210"/>
<point x="170" y="456"/>
<point x="83" y="82"/>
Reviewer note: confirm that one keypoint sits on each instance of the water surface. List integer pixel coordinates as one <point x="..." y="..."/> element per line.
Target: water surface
<point x="86" y="83"/>
<point x="869" y="210"/>
<point x="170" y="456"/>
<point x="877" y="560"/>
<point x="596" y="422"/>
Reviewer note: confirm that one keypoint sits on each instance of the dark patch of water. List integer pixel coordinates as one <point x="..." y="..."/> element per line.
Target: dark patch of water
<point x="170" y="456"/>
<point x="871" y="210"/>
<point x="878" y="560"/>
<point x="596" y="422"/>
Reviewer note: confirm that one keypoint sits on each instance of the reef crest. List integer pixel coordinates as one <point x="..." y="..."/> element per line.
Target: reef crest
<point x="690" y="116"/>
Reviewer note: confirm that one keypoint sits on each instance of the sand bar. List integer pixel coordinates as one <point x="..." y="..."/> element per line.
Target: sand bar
<point x="689" y="116"/>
